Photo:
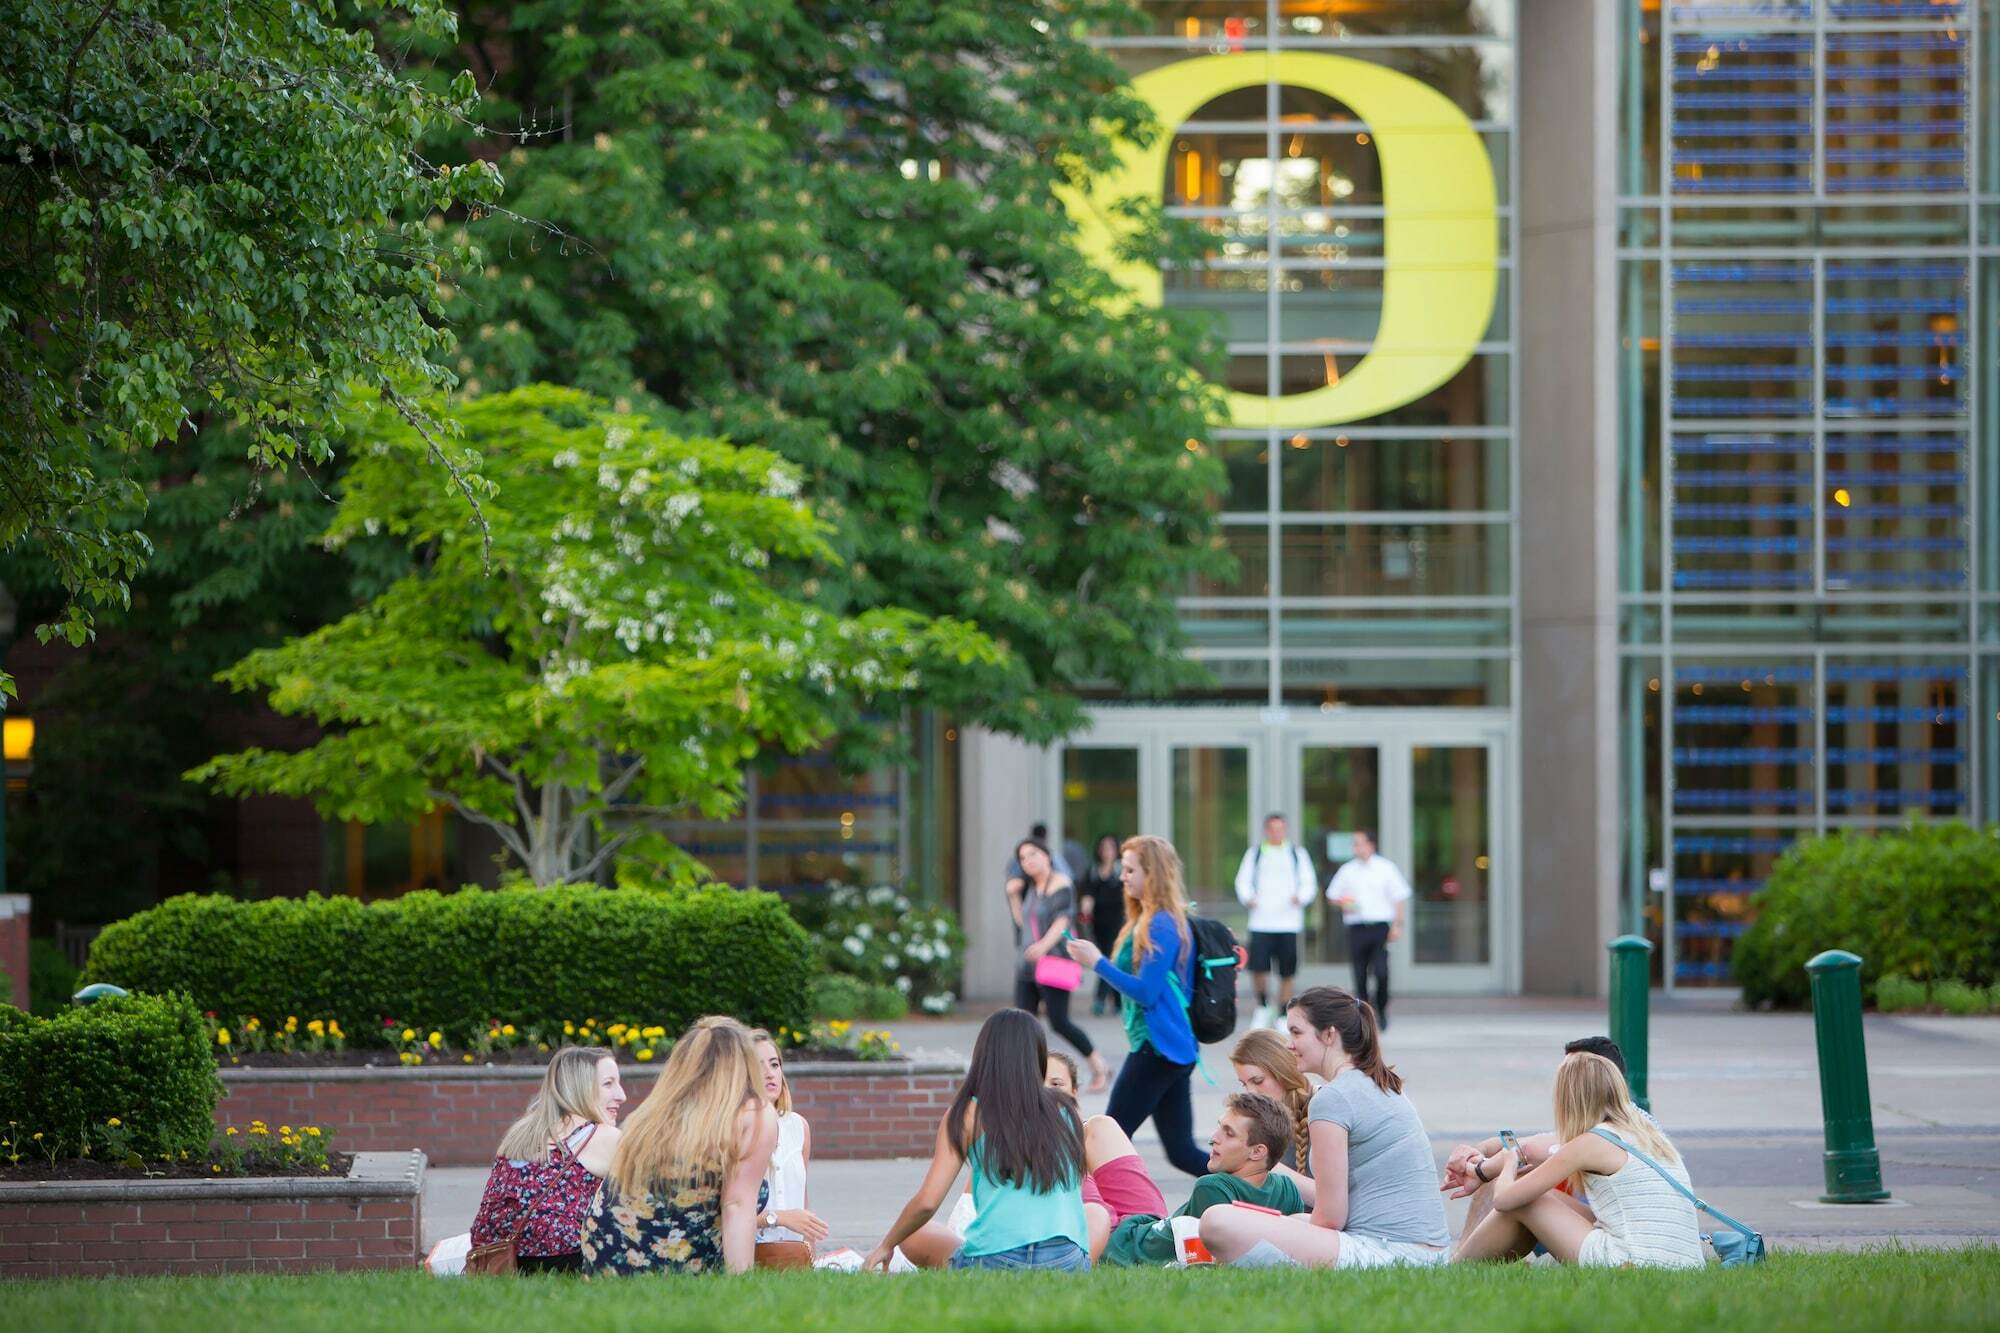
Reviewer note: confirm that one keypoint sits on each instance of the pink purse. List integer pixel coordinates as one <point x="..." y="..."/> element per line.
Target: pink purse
<point x="1058" y="973"/>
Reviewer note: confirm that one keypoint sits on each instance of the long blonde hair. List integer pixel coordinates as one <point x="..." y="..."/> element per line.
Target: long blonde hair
<point x="1267" y="1050"/>
<point x="1163" y="890"/>
<point x="569" y="1088"/>
<point x="784" y="1103"/>
<point x="1590" y="1092"/>
<point x="685" y="1131"/>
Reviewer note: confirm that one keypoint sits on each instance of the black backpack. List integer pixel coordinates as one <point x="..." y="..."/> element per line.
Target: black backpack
<point x="1212" y="1006"/>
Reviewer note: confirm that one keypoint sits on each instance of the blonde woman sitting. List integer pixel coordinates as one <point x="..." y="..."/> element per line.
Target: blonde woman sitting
<point x="1635" y="1218"/>
<point x="788" y="1232"/>
<point x="547" y="1168"/>
<point x="686" y="1185"/>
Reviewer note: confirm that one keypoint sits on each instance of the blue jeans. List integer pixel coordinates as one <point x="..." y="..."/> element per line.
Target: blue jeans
<point x="1058" y="1255"/>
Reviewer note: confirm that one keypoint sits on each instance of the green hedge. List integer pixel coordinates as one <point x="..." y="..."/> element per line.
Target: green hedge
<point x="454" y="961"/>
<point x="141" y="1059"/>
<point x="1922" y="903"/>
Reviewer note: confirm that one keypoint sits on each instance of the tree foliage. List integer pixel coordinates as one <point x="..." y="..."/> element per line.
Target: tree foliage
<point x="606" y="653"/>
<point x="208" y="212"/>
<point x="831" y="230"/>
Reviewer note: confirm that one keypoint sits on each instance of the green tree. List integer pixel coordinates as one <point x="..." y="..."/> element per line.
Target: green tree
<point x="831" y="229"/>
<point x="607" y="653"/>
<point x="208" y="213"/>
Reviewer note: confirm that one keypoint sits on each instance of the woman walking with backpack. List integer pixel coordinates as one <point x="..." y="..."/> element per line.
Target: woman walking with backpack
<point x="1153" y="969"/>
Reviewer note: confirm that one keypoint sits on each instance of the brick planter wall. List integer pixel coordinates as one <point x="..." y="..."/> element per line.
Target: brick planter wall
<point x="95" y="1228"/>
<point x="456" y="1114"/>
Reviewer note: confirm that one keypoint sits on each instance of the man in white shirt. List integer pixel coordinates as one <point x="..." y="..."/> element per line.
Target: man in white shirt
<point x="1374" y="901"/>
<point x="1275" y="882"/>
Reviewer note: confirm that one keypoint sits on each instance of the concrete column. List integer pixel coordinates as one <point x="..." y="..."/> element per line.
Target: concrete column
<point x="1000" y="781"/>
<point x="1567" y="296"/>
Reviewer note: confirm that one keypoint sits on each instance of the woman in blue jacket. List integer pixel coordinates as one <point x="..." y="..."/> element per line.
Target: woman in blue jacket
<point x="1153" y="969"/>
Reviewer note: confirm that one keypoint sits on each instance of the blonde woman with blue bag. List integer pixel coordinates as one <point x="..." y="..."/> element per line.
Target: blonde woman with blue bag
<point x="1641" y="1212"/>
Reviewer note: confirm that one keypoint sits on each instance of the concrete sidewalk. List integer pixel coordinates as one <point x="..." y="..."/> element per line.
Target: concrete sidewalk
<point x="1739" y="1092"/>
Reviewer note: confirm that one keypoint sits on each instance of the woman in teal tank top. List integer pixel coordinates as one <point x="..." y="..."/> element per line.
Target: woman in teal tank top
<point x="1025" y="1145"/>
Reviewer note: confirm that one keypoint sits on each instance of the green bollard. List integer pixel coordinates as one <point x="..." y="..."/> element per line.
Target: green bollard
<point x="1631" y="992"/>
<point x="97" y="990"/>
<point x="1853" y="1167"/>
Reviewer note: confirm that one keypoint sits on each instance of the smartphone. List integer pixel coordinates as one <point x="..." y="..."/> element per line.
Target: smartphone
<point x="1509" y="1142"/>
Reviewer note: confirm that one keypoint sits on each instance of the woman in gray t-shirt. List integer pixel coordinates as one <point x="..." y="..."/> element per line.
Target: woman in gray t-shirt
<point x="1048" y="910"/>
<point x="1376" y="1202"/>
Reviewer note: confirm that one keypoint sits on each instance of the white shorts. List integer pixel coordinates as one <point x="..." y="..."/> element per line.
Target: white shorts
<point x="1357" y="1251"/>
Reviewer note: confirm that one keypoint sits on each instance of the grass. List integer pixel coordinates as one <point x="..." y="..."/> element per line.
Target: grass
<point x="1926" y="1289"/>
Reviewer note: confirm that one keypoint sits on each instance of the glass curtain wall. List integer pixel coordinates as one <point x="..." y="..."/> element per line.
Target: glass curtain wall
<point x="1376" y="550"/>
<point x="1807" y="504"/>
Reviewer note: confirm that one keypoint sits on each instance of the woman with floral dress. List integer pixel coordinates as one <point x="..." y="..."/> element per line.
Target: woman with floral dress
<point x="686" y="1185"/>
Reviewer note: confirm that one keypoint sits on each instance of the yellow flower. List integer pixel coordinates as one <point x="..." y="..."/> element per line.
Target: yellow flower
<point x="216" y="1169"/>
<point x="840" y="1027"/>
<point x="436" y="1040"/>
<point x="645" y="1053"/>
<point x="542" y="1046"/>
<point x="312" y="1131"/>
<point x="467" y="1057"/>
<point x="38" y="1138"/>
<point x="615" y="1029"/>
<point x="333" y="1026"/>
<point x="569" y="1028"/>
<point x="291" y="1022"/>
<point x="222" y="1036"/>
<point x="409" y="1034"/>
<point x="284" y="1129"/>
<point x="506" y="1029"/>
<point x="230" y="1132"/>
<point x="317" y="1028"/>
<point x="114" y="1122"/>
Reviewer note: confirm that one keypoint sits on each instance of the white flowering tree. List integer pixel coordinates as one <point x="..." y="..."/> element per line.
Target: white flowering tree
<point x="605" y="653"/>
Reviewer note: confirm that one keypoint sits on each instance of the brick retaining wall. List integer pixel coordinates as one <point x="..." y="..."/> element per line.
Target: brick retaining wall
<point x="97" y="1228"/>
<point x="456" y="1115"/>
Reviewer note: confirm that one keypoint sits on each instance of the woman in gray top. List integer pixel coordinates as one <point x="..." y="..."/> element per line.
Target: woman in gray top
<point x="1048" y="909"/>
<point x="1375" y="1199"/>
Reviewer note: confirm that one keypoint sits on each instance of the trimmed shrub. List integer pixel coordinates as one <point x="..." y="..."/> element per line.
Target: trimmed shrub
<point x="1920" y="903"/>
<point x="51" y="980"/>
<point x="141" y="1059"/>
<point x="456" y="961"/>
<point x="841" y="996"/>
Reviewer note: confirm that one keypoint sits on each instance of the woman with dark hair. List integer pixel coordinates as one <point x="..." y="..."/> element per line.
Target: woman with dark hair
<point x="1048" y="909"/>
<point x="1376" y="1201"/>
<point x="1104" y="909"/>
<point x="1025" y="1144"/>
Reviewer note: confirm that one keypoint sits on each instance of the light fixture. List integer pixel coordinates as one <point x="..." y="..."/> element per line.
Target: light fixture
<point x="20" y="739"/>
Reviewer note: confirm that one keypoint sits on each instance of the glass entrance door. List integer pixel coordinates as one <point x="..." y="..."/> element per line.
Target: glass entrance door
<point x="1340" y="794"/>
<point x="1451" y="855"/>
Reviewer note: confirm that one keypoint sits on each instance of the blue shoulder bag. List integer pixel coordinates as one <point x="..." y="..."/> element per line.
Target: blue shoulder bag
<point x="1739" y="1245"/>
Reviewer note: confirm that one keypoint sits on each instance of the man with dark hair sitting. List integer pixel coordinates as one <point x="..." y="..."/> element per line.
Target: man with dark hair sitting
<point x="1466" y="1171"/>
<point x="1253" y="1133"/>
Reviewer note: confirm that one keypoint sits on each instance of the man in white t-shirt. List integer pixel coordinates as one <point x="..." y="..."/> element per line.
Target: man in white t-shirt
<point x="1275" y="881"/>
<point x="1374" y="902"/>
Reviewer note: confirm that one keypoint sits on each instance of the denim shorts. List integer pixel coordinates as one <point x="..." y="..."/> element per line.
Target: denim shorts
<point x="1060" y="1255"/>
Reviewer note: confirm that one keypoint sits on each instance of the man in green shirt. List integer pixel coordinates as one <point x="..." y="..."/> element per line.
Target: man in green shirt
<point x="1253" y="1133"/>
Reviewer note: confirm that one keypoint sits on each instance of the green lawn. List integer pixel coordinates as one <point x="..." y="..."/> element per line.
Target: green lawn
<point x="1918" y="1289"/>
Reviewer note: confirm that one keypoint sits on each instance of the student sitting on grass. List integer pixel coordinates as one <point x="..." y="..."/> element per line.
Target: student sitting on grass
<point x="788" y="1231"/>
<point x="1459" y="1176"/>
<point x="1251" y="1134"/>
<point x="1635" y="1218"/>
<point x="686" y="1184"/>
<point x="1024" y="1141"/>
<point x="1265" y="1065"/>
<point x="1376" y="1200"/>
<point x="549" y="1163"/>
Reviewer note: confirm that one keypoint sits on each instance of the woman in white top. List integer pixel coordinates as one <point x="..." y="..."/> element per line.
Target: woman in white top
<point x="787" y="1233"/>
<point x="1635" y="1218"/>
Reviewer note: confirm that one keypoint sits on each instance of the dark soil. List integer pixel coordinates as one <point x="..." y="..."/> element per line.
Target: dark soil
<point x="201" y="1168"/>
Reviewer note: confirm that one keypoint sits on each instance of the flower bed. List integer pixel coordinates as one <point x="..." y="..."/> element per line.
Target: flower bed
<point x="370" y="1217"/>
<point x="456" y="1113"/>
<point x="316" y="1043"/>
<point x="252" y="1150"/>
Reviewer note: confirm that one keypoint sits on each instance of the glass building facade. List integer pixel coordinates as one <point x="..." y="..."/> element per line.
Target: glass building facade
<point x="1809" y="491"/>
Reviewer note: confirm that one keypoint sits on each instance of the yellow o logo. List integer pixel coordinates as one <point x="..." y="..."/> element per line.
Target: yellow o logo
<point x="1440" y="237"/>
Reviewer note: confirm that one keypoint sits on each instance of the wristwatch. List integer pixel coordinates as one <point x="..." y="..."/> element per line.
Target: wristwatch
<point x="770" y="1218"/>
